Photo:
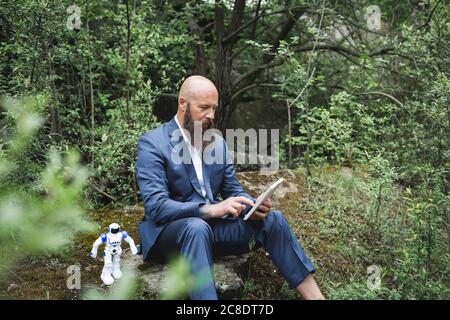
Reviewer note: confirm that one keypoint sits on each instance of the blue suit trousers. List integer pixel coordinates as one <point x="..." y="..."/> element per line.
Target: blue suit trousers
<point x="198" y="241"/>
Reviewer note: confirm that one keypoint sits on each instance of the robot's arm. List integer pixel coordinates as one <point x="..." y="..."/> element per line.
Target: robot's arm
<point x="130" y="241"/>
<point x="99" y="241"/>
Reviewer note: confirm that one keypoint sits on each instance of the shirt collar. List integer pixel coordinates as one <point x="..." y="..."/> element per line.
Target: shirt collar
<point x="182" y="130"/>
<point x="185" y="138"/>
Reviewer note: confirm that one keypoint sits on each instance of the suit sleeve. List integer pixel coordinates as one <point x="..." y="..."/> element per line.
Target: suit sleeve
<point x="153" y="184"/>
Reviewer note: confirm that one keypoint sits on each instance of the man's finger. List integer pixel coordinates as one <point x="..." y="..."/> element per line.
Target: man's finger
<point x="238" y="206"/>
<point x="258" y="216"/>
<point x="263" y="208"/>
<point x="233" y="211"/>
<point x="245" y="200"/>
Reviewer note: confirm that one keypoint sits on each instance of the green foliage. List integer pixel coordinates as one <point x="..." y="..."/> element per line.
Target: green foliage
<point x="29" y="223"/>
<point x="114" y="156"/>
<point x="179" y="279"/>
<point x="327" y="138"/>
<point x="251" y="287"/>
<point x="379" y="99"/>
<point x="123" y="289"/>
<point x="359" y="291"/>
<point x="25" y="144"/>
<point x="424" y="251"/>
<point x="96" y="80"/>
<point x="391" y="112"/>
<point x="368" y="220"/>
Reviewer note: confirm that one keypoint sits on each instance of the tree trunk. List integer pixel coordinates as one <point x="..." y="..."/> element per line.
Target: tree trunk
<point x="224" y="59"/>
<point x="223" y="84"/>
<point x="91" y="87"/>
<point x="56" y="126"/>
<point x="200" y="60"/>
<point x="128" y="97"/>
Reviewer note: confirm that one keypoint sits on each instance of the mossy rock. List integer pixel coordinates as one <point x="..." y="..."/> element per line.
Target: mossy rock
<point x="152" y="275"/>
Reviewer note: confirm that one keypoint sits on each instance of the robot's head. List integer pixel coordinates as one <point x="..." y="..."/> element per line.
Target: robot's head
<point x="114" y="228"/>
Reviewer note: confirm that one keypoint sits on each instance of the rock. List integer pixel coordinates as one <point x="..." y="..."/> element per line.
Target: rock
<point x="228" y="282"/>
<point x="12" y="286"/>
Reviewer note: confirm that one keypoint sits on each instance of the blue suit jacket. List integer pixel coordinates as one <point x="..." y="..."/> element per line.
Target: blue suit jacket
<point x="170" y="188"/>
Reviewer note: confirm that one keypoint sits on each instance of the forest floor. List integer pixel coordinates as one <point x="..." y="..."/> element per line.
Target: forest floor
<point x="341" y="247"/>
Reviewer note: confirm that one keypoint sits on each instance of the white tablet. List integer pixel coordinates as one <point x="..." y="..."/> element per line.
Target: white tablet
<point x="263" y="197"/>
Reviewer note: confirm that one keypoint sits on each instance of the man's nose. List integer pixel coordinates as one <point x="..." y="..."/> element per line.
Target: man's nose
<point x="210" y="114"/>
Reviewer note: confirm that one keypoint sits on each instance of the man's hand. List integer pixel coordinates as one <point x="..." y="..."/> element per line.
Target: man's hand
<point x="232" y="205"/>
<point x="262" y="211"/>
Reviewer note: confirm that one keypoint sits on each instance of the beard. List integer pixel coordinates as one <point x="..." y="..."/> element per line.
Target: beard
<point x="189" y="125"/>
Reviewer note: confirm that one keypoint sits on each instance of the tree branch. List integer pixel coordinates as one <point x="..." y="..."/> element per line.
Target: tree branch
<point x="288" y="24"/>
<point x="285" y="29"/>
<point x="425" y="24"/>
<point x="337" y="86"/>
<point x="236" y="19"/>
<point x="256" y="70"/>
<point x="255" y="19"/>
<point x="254" y="85"/>
<point x="380" y="93"/>
<point x="337" y="48"/>
<point x="103" y="193"/>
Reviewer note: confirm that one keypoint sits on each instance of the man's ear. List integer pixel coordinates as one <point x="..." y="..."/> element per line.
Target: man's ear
<point x="182" y="101"/>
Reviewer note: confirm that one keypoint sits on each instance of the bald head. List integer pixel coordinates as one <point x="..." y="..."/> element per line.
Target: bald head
<point x="196" y="88"/>
<point x="198" y="99"/>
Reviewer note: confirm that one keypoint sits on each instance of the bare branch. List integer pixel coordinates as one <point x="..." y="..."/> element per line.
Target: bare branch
<point x="382" y="94"/>
<point x="255" y="19"/>
<point x="254" y="85"/>
<point x="425" y="24"/>
<point x="337" y="48"/>
<point x="290" y="21"/>
<point x="287" y="26"/>
<point x="256" y="22"/>
<point x="304" y="88"/>
<point x="256" y="70"/>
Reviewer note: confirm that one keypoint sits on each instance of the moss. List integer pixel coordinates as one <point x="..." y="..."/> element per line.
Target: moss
<point x="328" y="214"/>
<point x="45" y="276"/>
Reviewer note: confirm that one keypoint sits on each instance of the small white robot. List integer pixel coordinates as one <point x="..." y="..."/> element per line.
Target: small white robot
<point x="112" y="252"/>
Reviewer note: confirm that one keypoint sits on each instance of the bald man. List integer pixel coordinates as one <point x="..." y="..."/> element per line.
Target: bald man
<point x="183" y="213"/>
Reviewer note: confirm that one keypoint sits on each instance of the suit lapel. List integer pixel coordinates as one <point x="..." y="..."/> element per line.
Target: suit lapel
<point x="206" y="180"/>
